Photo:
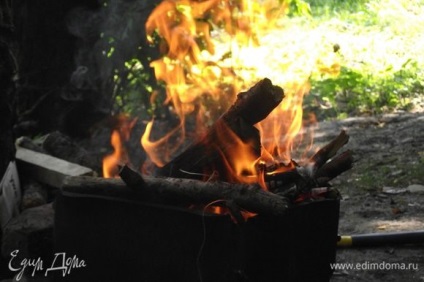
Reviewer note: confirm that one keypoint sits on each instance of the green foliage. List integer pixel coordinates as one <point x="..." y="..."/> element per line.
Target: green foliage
<point x="325" y="7"/>
<point x="132" y="88"/>
<point x="375" y="77"/>
<point x="128" y="80"/>
<point x="298" y="7"/>
<point x="381" y="63"/>
<point x="355" y="91"/>
<point x="132" y="80"/>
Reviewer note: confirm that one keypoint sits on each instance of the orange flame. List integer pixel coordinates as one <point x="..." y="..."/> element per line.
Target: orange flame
<point x="212" y="50"/>
<point x="110" y="162"/>
<point x="281" y="129"/>
<point x="239" y="159"/>
<point x="117" y="139"/>
<point x="157" y="150"/>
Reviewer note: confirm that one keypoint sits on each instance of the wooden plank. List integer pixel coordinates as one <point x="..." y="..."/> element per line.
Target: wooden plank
<point x="47" y="169"/>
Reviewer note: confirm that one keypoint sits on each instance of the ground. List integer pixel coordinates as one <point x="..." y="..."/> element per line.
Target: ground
<point x="389" y="152"/>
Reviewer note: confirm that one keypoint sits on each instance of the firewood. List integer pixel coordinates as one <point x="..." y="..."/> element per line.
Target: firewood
<point x="316" y="172"/>
<point x="329" y="150"/>
<point x="335" y="167"/>
<point x="130" y="177"/>
<point x="208" y="153"/>
<point x="183" y="192"/>
<point x="256" y="103"/>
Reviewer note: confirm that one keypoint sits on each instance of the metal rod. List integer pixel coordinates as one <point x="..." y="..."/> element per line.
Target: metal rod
<point x="380" y="239"/>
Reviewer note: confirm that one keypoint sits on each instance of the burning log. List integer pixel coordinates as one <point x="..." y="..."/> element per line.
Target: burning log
<point x="206" y="154"/>
<point x="212" y="155"/>
<point x="329" y="150"/>
<point x="335" y="167"/>
<point x="318" y="171"/>
<point x="183" y="192"/>
<point x="131" y="177"/>
<point x="322" y="167"/>
<point x="209" y="155"/>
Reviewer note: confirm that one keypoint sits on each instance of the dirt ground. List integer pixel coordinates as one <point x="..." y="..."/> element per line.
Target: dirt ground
<point x="389" y="155"/>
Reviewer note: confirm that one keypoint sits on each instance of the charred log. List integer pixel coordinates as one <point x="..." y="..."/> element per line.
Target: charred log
<point x="207" y="155"/>
<point x="184" y="192"/>
<point x="335" y="167"/>
<point x="131" y="177"/>
<point x="329" y="150"/>
<point x="321" y="168"/>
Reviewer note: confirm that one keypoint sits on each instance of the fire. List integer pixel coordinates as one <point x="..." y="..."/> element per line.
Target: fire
<point x="110" y="162"/>
<point x="157" y="150"/>
<point x="212" y="50"/>
<point x="280" y="131"/>
<point x="240" y="159"/>
<point x="120" y="154"/>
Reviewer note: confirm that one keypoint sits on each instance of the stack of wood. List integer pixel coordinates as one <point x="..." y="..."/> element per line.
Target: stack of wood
<point x="182" y="180"/>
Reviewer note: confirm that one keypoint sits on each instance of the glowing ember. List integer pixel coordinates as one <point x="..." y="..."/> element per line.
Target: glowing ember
<point x="215" y="49"/>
